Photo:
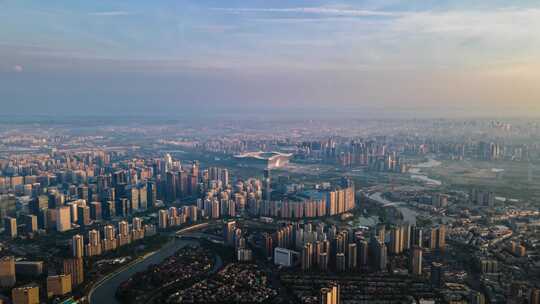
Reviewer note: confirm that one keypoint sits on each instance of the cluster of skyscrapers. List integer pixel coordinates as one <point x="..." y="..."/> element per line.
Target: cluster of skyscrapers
<point x="322" y="248"/>
<point x="112" y="238"/>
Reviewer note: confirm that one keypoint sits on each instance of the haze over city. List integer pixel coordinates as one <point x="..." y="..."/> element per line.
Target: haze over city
<point x="273" y="152"/>
<point x="321" y="58"/>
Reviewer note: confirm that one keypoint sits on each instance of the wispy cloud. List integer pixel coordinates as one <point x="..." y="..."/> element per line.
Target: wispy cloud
<point x="322" y="11"/>
<point x="214" y="29"/>
<point x="111" y="13"/>
<point x="18" y="68"/>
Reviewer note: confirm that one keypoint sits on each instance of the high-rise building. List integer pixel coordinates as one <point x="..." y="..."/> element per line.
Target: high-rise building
<point x="77" y="246"/>
<point x="170" y="186"/>
<point x="395" y="241"/>
<point x="416" y="261"/>
<point x="163" y="219"/>
<point x="215" y="209"/>
<point x="122" y="207"/>
<point x="381" y="233"/>
<point x="243" y="255"/>
<point x="95" y="211"/>
<point x="436" y="275"/>
<point x="406" y="237"/>
<point x="352" y="257"/>
<point x="83" y="215"/>
<point x="40" y="202"/>
<point x="63" y="219"/>
<point x="381" y="256"/>
<point x="268" y="245"/>
<point x="478" y="298"/>
<point x="433" y="239"/>
<point x="323" y="261"/>
<point x="416" y="237"/>
<point x="231" y="208"/>
<point x="331" y="295"/>
<point x="109" y="241"/>
<point x="30" y="223"/>
<point x="93" y="247"/>
<point x="29" y="268"/>
<point x="74" y="214"/>
<point x="10" y="227"/>
<point x="438" y="238"/>
<point x="143" y="196"/>
<point x="25" y="295"/>
<point x="151" y="194"/>
<point x="307" y="257"/>
<point x="339" y="243"/>
<point x="441" y="237"/>
<point x="124" y="237"/>
<point x="238" y="240"/>
<point x="489" y="266"/>
<point x="74" y="267"/>
<point x="137" y="228"/>
<point x="228" y="232"/>
<point x="108" y="210"/>
<point x="341" y="264"/>
<point x="7" y="271"/>
<point x="283" y="257"/>
<point x="58" y="285"/>
<point x="364" y="252"/>
<point x="42" y="219"/>
<point x="267" y="185"/>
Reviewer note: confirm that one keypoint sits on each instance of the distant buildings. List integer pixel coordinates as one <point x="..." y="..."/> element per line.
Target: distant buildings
<point x="30" y="223"/>
<point x="315" y="204"/>
<point x="7" y="271"/>
<point x="228" y="232"/>
<point x="436" y="276"/>
<point x="10" y="227"/>
<point x="93" y="247"/>
<point x="263" y="160"/>
<point x="75" y="268"/>
<point x="283" y="257"/>
<point x="25" y="295"/>
<point x="331" y="295"/>
<point x="77" y="246"/>
<point x="437" y="240"/>
<point x="58" y="285"/>
<point x="416" y="261"/>
<point x="63" y="219"/>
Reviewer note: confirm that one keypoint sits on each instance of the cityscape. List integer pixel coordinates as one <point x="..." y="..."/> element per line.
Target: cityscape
<point x="133" y="214"/>
<point x="279" y="152"/>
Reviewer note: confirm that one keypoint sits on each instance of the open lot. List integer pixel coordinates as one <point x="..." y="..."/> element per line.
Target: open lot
<point x="508" y="179"/>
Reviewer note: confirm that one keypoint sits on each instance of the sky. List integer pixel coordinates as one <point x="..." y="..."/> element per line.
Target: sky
<point x="273" y="57"/>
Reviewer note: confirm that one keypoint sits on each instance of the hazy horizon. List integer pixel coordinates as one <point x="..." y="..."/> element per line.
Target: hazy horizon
<point x="374" y="58"/>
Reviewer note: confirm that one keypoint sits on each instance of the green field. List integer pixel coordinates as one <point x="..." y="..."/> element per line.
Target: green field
<point x="513" y="182"/>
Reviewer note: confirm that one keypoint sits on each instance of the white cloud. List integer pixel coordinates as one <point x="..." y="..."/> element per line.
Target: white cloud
<point x="18" y="68"/>
<point x="111" y="13"/>
<point x="326" y="11"/>
<point x="440" y="39"/>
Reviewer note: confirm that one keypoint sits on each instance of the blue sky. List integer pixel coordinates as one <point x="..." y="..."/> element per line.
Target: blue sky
<point x="230" y="55"/>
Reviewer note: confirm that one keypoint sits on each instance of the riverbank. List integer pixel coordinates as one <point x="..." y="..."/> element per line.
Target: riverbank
<point x="417" y="174"/>
<point x="104" y="291"/>
<point x="409" y="215"/>
<point x="105" y="288"/>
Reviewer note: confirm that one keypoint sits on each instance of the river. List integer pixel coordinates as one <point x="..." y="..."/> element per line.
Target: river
<point x="416" y="171"/>
<point x="409" y="215"/>
<point x="105" y="292"/>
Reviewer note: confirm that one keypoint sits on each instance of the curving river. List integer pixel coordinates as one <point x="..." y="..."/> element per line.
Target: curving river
<point x="417" y="174"/>
<point x="105" y="291"/>
<point x="409" y="215"/>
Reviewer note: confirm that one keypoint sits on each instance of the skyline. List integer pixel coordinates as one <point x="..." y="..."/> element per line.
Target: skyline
<point x="441" y="58"/>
